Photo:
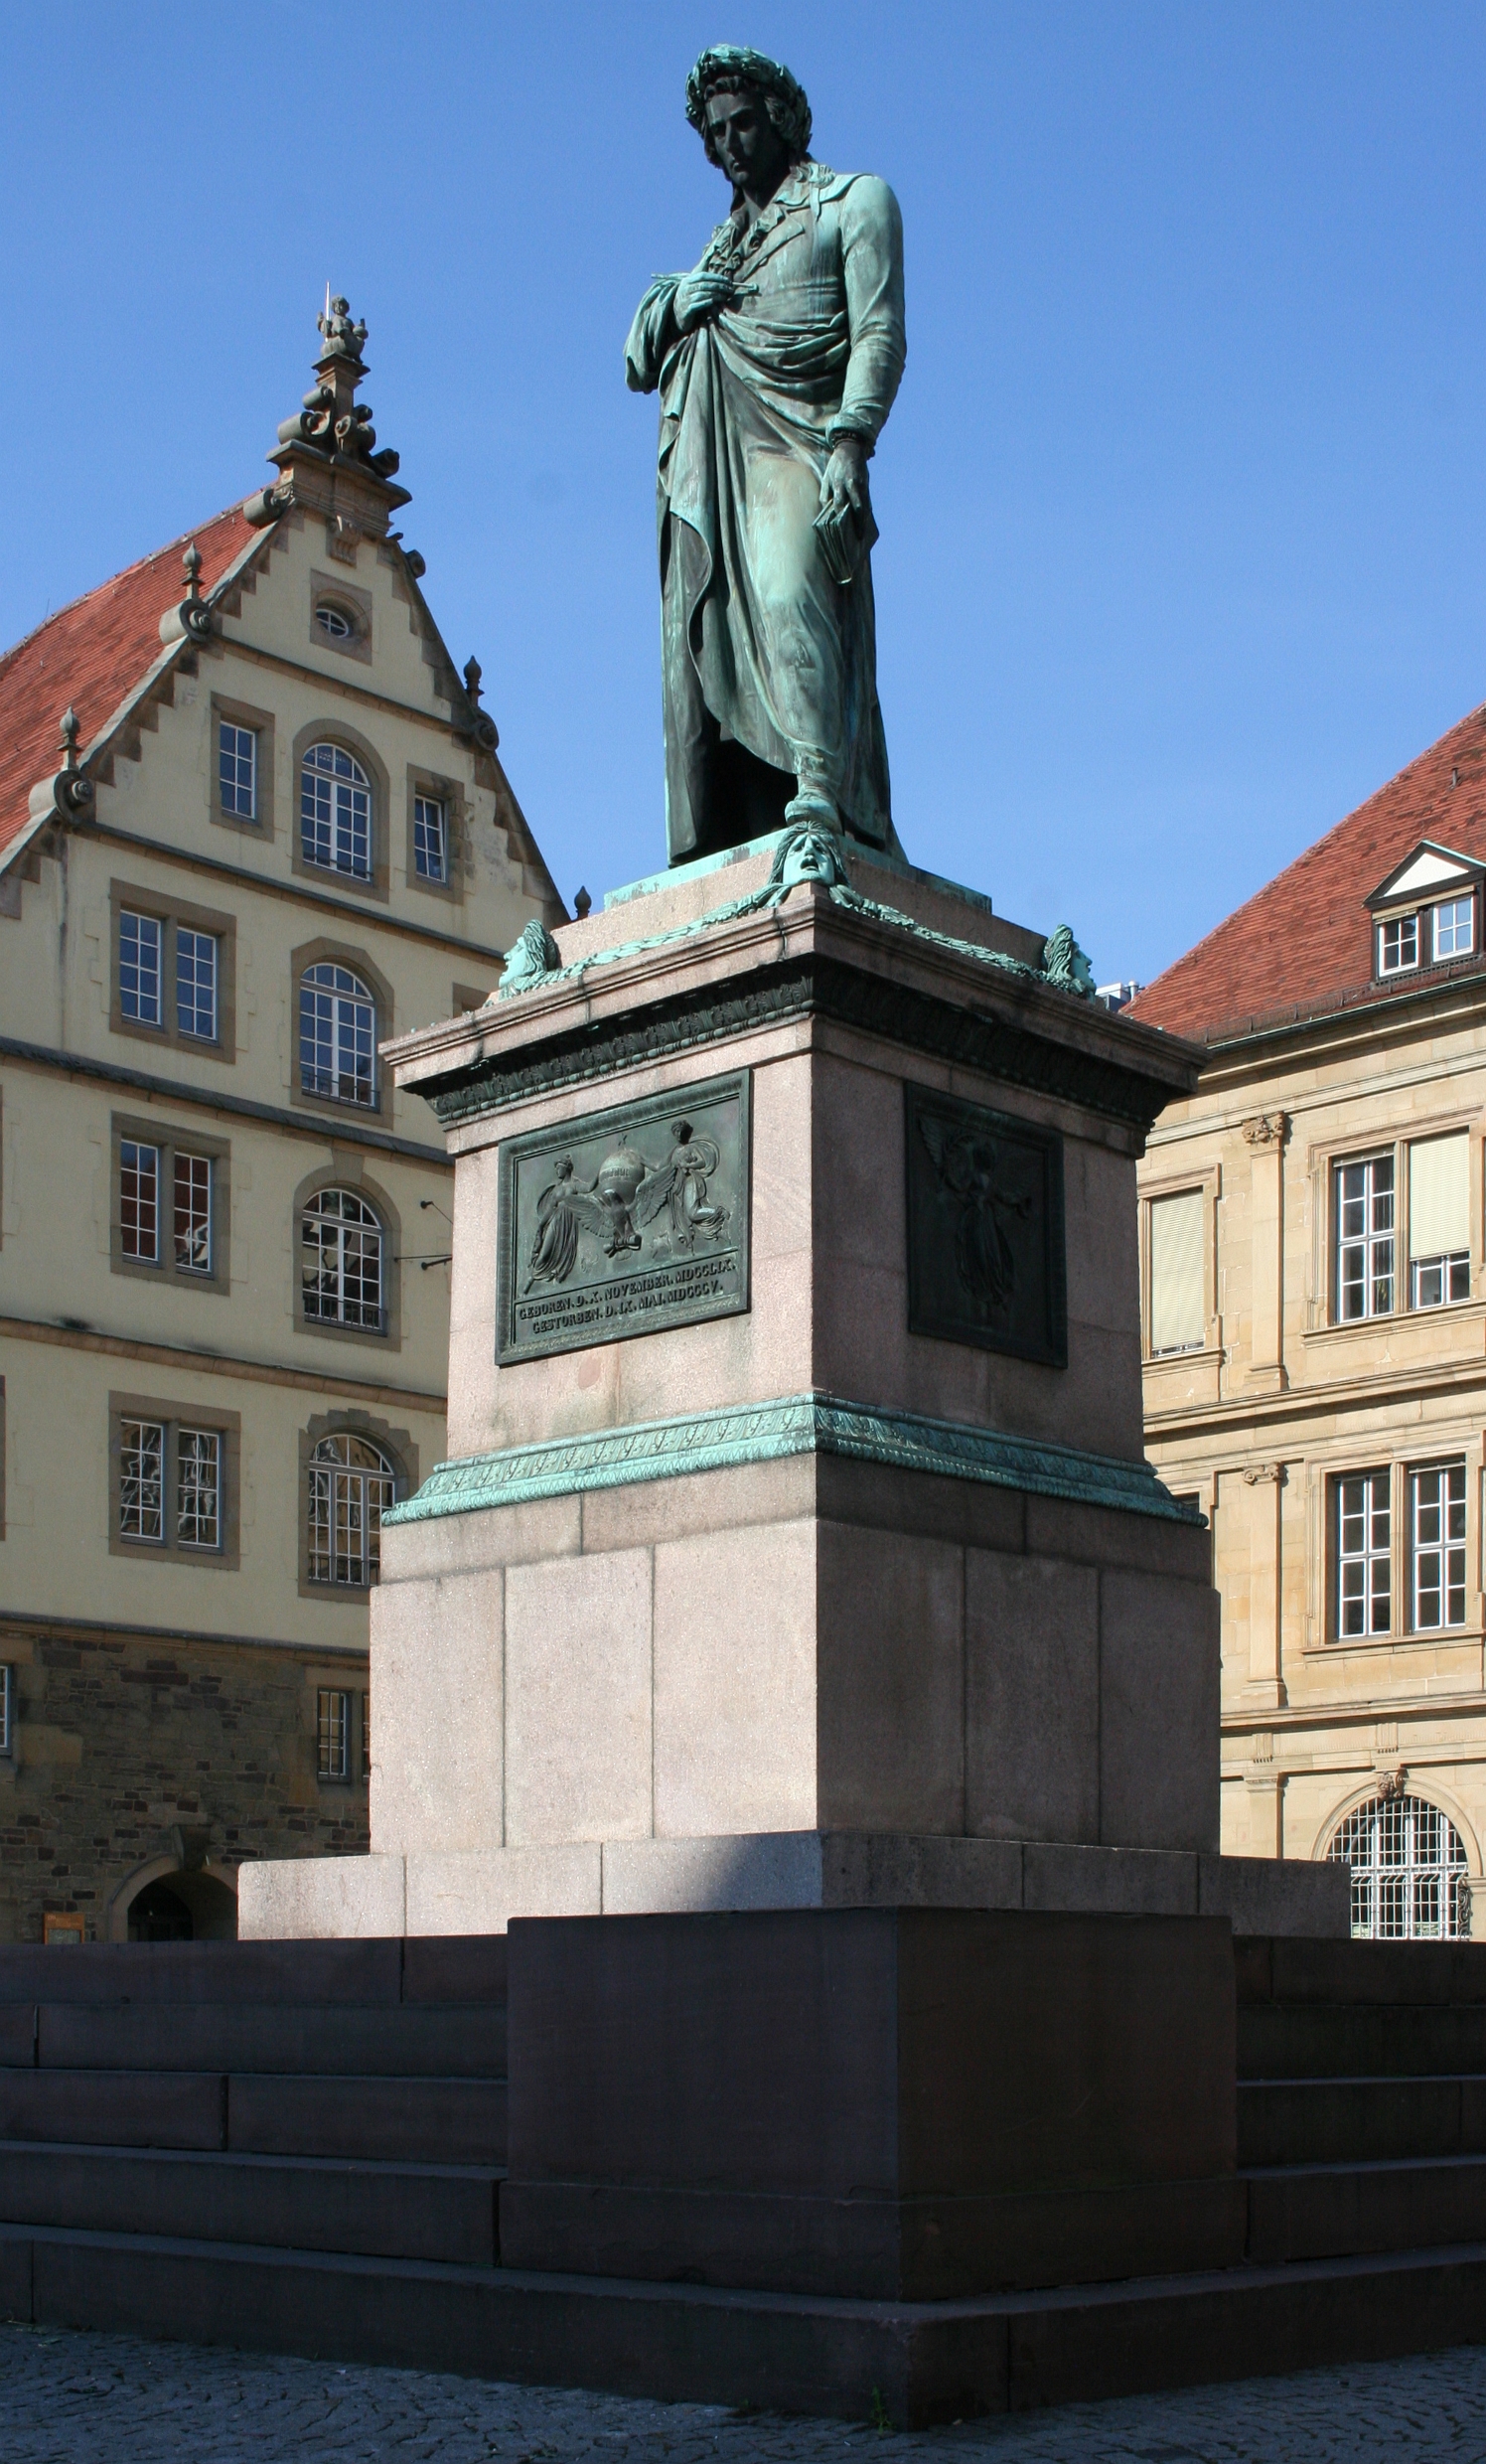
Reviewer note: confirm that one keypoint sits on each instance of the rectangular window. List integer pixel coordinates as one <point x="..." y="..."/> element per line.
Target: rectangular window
<point x="196" y="983"/>
<point x="7" y="1708"/>
<point x="141" y="1487"/>
<point x="193" y="1200"/>
<point x="1363" y="1567"/>
<point x="139" y="967"/>
<point x="198" y="1488"/>
<point x="1398" y="945"/>
<point x="1436" y="1514"/>
<point x="1363" y="1199"/>
<point x="430" y="856"/>
<point x="139" y="1201"/>
<point x="365" y="1736"/>
<point x="1439" y="1220"/>
<point x="238" y="769"/>
<point x="1454" y="927"/>
<point x="1178" y="1312"/>
<point x="332" y="1721"/>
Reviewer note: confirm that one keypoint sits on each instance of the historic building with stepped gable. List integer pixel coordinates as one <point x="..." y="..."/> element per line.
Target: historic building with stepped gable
<point x="1314" y="1336"/>
<point x="252" y="824"/>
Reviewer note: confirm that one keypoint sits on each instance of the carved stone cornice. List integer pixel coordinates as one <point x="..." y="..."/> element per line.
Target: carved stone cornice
<point x="1258" y="1475"/>
<point x="1266" y="1129"/>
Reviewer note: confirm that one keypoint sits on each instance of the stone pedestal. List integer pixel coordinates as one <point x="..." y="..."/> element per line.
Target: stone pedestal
<point x="797" y="1545"/>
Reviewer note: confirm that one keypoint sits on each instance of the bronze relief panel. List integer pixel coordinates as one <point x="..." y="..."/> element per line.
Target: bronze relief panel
<point x="625" y="1222"/>
<point x="986" y="1241"/>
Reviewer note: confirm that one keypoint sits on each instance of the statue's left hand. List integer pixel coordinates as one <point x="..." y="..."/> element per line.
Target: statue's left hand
<point x="843" y="480"/>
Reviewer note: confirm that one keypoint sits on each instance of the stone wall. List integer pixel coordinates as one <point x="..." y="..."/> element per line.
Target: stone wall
<point x="130" y="1752"/>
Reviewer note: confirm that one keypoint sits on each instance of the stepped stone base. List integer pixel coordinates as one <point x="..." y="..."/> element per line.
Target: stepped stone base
<point x="479" y="1890"/>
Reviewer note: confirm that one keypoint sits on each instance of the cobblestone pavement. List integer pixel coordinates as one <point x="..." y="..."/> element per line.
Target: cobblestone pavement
<point x="81" y="2398"/>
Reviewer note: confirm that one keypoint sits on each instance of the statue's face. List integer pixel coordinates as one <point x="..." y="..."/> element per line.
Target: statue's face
<point x="812" y="857"/>
<point x="749" y="146"/>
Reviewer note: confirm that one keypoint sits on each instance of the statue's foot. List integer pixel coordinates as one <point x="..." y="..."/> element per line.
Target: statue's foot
<point x="813" y="806"/>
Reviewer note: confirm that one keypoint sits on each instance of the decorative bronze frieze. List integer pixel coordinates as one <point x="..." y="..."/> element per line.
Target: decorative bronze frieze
<point x="624" y="1223"/>
<point x="985" y="1242"/>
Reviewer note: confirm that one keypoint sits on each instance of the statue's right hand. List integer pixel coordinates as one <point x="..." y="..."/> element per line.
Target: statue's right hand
<point x="697" y="297"/>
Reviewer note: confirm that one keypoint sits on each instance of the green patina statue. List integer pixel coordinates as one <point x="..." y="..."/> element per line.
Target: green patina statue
<point x="777" y="362"/>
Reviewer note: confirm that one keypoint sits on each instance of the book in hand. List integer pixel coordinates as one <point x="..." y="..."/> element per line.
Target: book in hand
<point x="842" y="539"/>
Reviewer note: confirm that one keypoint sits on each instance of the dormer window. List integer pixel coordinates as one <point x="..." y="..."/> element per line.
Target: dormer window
<point x="334" y="622"/>
<point x="1424" y="914"/>
<point x="1398" y="945"/>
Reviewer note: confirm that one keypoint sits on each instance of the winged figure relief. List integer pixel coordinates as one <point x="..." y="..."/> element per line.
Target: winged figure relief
<point x="966" y="1164"/>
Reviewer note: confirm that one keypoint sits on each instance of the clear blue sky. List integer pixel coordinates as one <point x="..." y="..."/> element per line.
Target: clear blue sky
<point x="1182" y="501"/>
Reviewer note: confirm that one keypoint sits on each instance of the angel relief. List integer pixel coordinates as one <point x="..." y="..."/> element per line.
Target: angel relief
<point x="617" y="1208"/>
<point x="968" y="1165"/>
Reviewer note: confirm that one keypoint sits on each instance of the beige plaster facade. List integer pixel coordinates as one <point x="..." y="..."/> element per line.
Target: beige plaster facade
<point x="1282" y="1404"/>
<point x="97" y="1340"/>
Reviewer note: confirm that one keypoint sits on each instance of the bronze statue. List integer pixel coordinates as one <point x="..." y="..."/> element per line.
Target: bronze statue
<point x="777" y="362"/>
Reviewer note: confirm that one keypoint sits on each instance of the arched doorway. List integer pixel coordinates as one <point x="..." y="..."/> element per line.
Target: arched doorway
<point x="177" y="1906"/>
<point x="1409" y="1876"/>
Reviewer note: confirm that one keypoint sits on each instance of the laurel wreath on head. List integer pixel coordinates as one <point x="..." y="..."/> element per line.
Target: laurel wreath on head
<point x="729" y="66"/>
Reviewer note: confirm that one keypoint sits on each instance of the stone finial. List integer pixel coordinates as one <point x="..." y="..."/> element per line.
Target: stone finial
<point x="481" y="724"/>
<point x="192" y="560"/>
<point x="71" y="728"/>
<point x="193" y="617"/>
<point x="342" y="340"/>
<point x="72" y="791"/>
<point x="330" y="440"/>
<point x="581" y="905"/>
<point x="472" y="676"/>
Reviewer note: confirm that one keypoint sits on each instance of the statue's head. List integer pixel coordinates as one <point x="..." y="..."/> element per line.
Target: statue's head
<point x="1066" y="964"/>
<point x="532" y="954"/>
<point x="742" y="104"/>
<point x="809" y="852"/>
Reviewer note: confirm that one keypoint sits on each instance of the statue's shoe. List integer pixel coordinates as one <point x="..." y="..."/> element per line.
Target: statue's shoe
<point x="815" y="807"/>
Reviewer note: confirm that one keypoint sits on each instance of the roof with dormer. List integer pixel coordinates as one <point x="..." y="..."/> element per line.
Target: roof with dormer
<point x="92" y="657"/>
<point x="1303" y="946"/>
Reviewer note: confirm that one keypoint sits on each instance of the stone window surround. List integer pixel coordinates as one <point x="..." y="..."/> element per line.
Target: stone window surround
<point x="346" y="1171"/>
<point x="243" y="715"/>
<point x="354" y="603"/>
<point x="225" y="1559"/>
<point x="397" y="1445"/>
<point x="171" y="912"/>
<point x="362" y="749"/>
<point x="1174" y="1185"/>
<point x="167" y="1136"/>
<point x="337" y="1681"/>
<point x="1422" y="1783"/>
<point x="1322" y="1158"/>
<point x="340" y="953"/>
<point x="1453" y="1444"/>
<point x="452" y="796"/>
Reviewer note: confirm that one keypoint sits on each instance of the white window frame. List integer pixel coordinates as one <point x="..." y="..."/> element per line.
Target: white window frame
<point x="1414" y="1863"/>
<point x="140" y="1441"/>
<point x="193" y="1243"/>
<point x="1405" y="928"/>
<point x="139" y="1148"/>
<point x="336" y="995"/>
<point x="332" y="1731"/>
<point x="232" y="758"/>
<point x="146" y="925"/>
<point x="337" y="815"/>
<point x="337" y="1249"/>
<point x="1436" y="1544"/>
<point x="430" y="838"/>
<point x="1451" y="907"/>
<point x="1356" y="1517"/>
<point x="189" y="962"/>
<point x="7" y="1710"/>
<point x="199" y="1500"/>
<point x="1371" y="1241"/>
<point x="345" y="1506"/>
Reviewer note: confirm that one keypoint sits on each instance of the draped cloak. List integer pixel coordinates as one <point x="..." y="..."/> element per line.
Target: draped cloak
<point x="759" y="644"/>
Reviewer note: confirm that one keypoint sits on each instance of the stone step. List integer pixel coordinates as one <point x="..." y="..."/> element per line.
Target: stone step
<point x="437" y="2040"/>
<point x="1286" y="2041"/>
<point x="1366" y="2120"/>
<point x="931" y="2362"/>
<point x="398" y="2120"/>
<point x="1298" y="1969"/>
<point x="392" y="2210"/>
<point x="448" y="1967"/>
<point x="1336" y="2211"/>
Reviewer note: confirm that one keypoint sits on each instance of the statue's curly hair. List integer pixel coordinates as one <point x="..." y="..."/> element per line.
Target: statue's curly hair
<point x="730" y="68"/>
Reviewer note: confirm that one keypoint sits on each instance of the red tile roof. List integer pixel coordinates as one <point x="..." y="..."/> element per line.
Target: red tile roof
<point x="1303" y="943"/>
<point x="91" y="655"/>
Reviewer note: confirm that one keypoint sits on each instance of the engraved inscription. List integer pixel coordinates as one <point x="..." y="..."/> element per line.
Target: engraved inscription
<point x="986" y="1241"/>
<point x="625" y="1222"/>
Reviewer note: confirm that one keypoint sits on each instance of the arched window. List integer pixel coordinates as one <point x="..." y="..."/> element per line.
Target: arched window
<point x="337" y="1034"/>
<point x="341" y="1245"/>
<point x="335" y="812"/>
<point x="352" y="1484"/>
<point x="1409" y="1871"/>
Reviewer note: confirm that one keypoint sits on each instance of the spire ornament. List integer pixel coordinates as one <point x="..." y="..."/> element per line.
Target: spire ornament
<point x="327" y="451"/>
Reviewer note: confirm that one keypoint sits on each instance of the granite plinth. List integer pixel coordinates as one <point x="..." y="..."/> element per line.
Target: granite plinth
<point x="902" y="2103"/>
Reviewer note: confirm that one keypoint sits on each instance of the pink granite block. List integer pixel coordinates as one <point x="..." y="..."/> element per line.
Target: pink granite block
<point x="579" y="1700"/>
<point x="891" y="1682"/>
<point x="735" y="1681"/>
<point x="1031" y="1638"/>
